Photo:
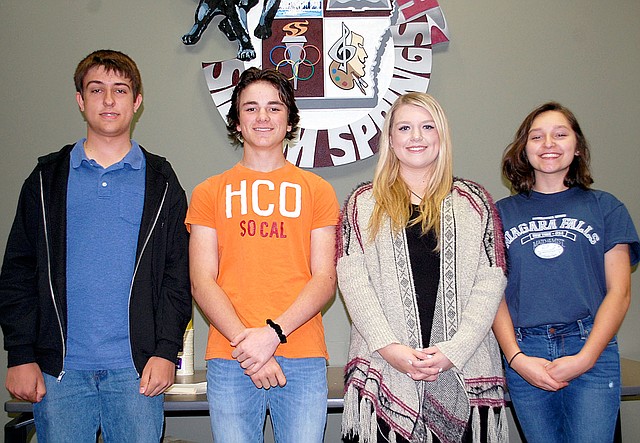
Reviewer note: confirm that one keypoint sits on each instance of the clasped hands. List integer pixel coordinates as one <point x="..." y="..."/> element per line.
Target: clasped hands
<point x="550" y="375"/>
<point x="419" y="364"/>
<point x="254" y="350"/>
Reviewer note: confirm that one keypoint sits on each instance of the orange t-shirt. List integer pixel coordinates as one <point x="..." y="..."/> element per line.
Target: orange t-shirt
<point x="263" y="222"/>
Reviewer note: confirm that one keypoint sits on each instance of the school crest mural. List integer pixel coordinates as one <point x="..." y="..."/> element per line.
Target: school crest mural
<point x="348" y="61"/>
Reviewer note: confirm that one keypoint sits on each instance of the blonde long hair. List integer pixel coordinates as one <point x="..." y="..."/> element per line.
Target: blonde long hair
<point x="392" y="195"/>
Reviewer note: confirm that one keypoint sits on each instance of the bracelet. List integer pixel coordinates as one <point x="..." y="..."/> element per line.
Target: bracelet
<point x="276" y="327"/>
<point x="514" y="356"/>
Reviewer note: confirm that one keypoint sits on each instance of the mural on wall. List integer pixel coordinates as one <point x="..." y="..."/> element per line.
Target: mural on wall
<point x="348" y="61"/>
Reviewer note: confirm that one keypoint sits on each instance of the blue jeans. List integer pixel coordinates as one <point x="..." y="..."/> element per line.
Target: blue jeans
<point x="584" y="411"/>
<point x="298" y="410"/>
<point x="82" y="402"/>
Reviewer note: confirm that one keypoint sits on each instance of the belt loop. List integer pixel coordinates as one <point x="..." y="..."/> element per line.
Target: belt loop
<point x="518" y="332"/>
<point x="583" y="331"/>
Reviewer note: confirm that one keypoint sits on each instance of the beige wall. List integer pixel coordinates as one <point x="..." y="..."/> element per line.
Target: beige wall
<point x="504" y="58"/>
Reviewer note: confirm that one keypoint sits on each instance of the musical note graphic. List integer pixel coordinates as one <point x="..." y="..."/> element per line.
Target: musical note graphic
<point x="348" y="66"/>
<point x="342" y="52"/>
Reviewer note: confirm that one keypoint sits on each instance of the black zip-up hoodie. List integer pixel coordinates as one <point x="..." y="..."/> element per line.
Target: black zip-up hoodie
<point x="33" y="297"/>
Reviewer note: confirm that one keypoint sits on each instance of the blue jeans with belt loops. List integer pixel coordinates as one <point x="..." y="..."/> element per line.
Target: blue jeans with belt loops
<point x="298" y="410"/>
<point x="584" y="411"/>
<point x="81" y="402"/>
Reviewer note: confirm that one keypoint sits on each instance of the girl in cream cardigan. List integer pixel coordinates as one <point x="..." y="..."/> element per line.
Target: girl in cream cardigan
<point x="421" y="269"/>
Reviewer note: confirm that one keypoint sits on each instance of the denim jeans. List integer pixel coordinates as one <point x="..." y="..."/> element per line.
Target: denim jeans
<point x="584" y="411"/>
<point x="82" y="402"/>
<point x="298" y="410"/>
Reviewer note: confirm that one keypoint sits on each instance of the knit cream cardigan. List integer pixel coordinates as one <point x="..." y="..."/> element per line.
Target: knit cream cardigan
<point x="377" y="286"/>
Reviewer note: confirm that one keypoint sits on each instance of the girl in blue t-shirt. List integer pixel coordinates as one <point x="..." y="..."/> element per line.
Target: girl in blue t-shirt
<point x="570" y="252"/>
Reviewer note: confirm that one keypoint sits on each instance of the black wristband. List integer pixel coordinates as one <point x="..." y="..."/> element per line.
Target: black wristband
<point x="276" y="327"/>
<point x="514" y="356"/>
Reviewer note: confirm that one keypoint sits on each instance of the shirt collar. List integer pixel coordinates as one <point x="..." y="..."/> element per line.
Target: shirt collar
<point x="134" y="158"/>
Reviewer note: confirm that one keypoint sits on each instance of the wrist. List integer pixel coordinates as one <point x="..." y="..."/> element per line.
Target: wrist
<point x="513" y="357"/>
<point x="278" y="330"/>
<point x="586" y="359"/>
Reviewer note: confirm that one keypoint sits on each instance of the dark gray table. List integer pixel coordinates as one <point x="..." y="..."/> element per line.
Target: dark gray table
<point x="18" y="429"/>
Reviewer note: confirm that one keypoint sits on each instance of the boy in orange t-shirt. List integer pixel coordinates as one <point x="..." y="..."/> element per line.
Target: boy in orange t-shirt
<point x="262" y="253"/>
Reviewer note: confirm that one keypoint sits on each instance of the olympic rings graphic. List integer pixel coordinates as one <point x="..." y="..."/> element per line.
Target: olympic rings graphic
<point x="294" y="68"/>
<point x="295" y="55"/>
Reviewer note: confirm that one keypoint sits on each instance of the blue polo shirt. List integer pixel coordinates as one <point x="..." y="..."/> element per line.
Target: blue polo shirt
<point x="104" y="209"/>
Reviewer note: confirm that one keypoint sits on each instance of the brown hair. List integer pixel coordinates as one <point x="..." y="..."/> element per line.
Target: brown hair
<point x="516" y="167"/>
<point x="111" y="61"/>
<point x="285" y="92"/>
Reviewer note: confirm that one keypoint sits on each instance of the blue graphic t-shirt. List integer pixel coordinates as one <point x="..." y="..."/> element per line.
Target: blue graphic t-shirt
<point x="555" y="248"/>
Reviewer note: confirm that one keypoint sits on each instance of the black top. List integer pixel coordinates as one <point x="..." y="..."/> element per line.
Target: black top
<point x="425" y="267"/>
